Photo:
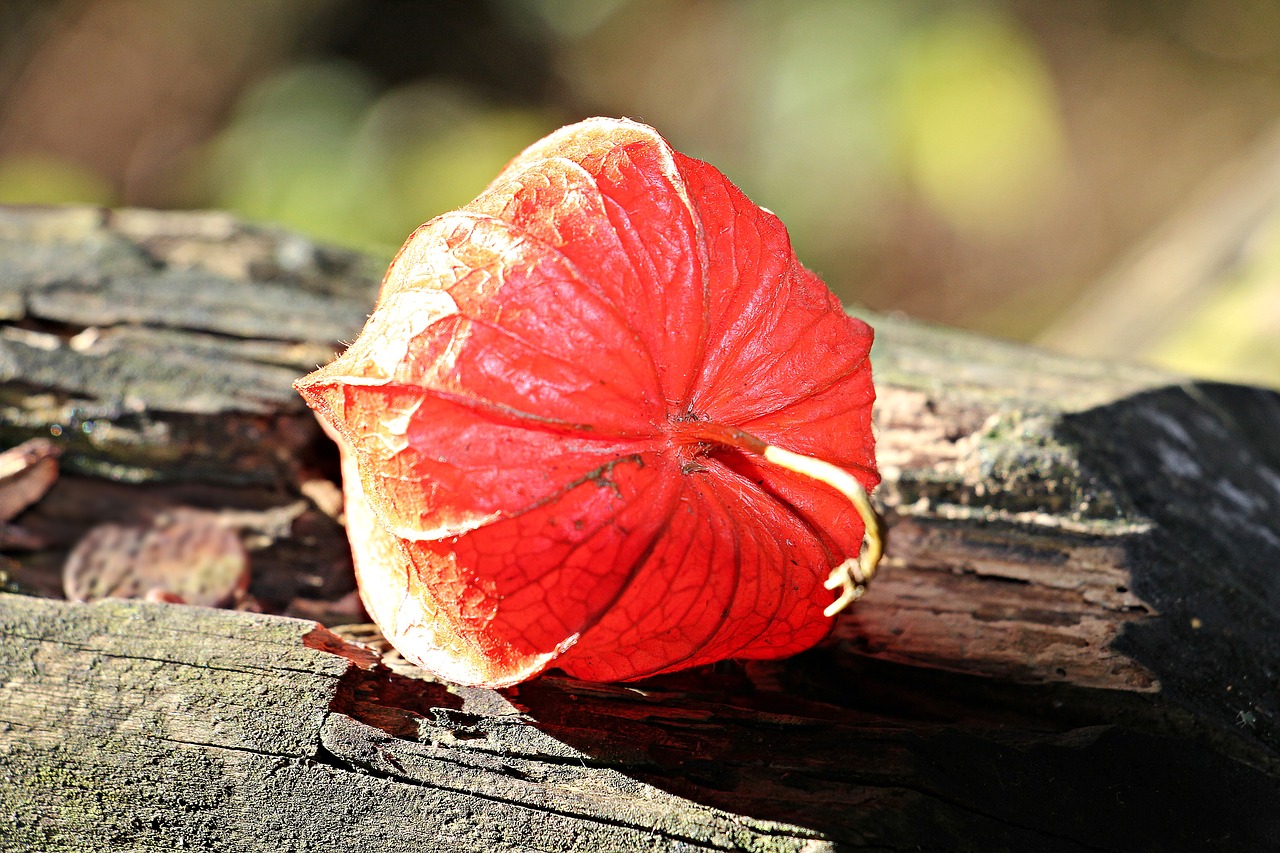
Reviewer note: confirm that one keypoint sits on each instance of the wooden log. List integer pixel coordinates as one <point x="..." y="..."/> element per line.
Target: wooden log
<point x="1074" y="644"/>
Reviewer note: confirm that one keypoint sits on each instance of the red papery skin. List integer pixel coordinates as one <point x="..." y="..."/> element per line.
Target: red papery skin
<point x="533" y="423"/>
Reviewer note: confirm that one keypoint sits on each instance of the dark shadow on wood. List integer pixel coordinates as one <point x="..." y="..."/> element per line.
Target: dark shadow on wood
<point x="1202" y="462"/>
<point x="880" y="756"/>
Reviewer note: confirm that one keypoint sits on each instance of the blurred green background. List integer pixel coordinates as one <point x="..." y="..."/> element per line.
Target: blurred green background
<point x="1100" y="176"/>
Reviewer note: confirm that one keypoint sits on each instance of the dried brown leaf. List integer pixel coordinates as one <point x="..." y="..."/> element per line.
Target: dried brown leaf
<point x="185" y="555"/>
<point x="26" y="473"/>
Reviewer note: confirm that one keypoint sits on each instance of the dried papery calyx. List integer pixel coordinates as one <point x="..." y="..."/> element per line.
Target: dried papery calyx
<point x="602" y="419"/>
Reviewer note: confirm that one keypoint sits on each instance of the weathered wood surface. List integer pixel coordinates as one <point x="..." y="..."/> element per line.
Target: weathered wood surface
<point x="1074" y="644"/>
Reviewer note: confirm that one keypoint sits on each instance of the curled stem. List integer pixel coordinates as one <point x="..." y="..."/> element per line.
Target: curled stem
<point x="852" y="576"/>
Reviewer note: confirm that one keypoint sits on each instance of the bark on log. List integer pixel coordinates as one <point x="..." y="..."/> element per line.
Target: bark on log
<point x="1074" y="644"/>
